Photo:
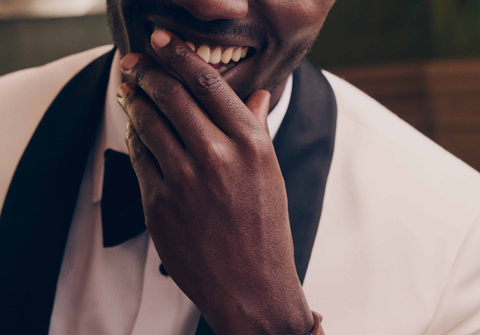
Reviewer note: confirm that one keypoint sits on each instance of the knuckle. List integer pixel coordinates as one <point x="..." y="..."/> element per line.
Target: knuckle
<point x="216" y="152"/>
<point x="167" y="91"/>
<point x="179" y="55"/>
<point x="216" y="157"/>
<point x="183" y="179"/>
<point x="144" y="123"/>
<point x="158" y="197"/>
<point x="257" y="145"/>
<point x="136" y="154"/>
<point x="210" y="84"/>
<point x="141" y="73"/>
<point x="130" y="99"/>
<point x="186" y="174"/>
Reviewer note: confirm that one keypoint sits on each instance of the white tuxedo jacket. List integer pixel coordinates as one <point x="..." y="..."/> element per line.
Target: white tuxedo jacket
<point x="398" y="246"/>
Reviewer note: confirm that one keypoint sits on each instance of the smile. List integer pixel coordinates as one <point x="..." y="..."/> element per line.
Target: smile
<point x="222" y="58"/>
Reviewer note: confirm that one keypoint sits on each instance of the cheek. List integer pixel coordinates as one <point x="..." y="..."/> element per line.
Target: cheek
<point x="299" y="18"/>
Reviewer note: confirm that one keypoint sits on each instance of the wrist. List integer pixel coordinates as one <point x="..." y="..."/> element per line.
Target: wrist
<point x="282" y="311"/>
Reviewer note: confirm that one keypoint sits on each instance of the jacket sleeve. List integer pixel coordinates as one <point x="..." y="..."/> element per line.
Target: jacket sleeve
<point x="458" y="312"/>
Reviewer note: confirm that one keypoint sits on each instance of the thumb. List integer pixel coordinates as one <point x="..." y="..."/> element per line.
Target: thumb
<point x="259" y="105"/>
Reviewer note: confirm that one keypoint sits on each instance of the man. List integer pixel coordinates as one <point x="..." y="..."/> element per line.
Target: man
<point x="395" y="251"/>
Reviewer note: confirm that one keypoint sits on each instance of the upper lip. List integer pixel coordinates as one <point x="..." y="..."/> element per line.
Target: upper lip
<point x="198" y="37"/>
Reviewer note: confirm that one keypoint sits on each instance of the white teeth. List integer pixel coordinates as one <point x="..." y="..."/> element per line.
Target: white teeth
<point x="227" y="55"/>
<point x="216" y="56"/>
<point x="244" y="52"/>
<point x="204" y="52"/>
<point x="190" y="44"/>
<point x="237" y="54"/>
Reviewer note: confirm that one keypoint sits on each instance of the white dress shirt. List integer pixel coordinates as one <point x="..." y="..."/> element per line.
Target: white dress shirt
<point x="120" y="290"/>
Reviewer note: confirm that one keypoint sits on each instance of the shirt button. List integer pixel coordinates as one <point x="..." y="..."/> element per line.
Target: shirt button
<point x="163" y="271"/>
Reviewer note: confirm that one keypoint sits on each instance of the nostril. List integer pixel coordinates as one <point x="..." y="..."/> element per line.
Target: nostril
<point x="208" y="10"/>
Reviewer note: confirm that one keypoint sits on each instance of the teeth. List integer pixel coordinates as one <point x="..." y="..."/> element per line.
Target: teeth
<point x="216" y="56"/>
<point x="227" y="55"/>
<point x="190" y="44"/>
<point x="244" y="52"/>
<point x="204" y="52"/>
<point x="237" y="54"/>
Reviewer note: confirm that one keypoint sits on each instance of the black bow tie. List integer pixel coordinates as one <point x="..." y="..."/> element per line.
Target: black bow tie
<point x="122" y="211"/>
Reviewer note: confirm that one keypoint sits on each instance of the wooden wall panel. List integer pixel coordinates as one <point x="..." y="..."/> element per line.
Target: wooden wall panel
<point x="439" y="98"/>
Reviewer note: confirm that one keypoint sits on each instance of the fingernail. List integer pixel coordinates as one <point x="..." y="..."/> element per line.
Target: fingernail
<point x="124" y="89"/>
<point x="128" y="125"/>
<point x="128" y="62"/>
<point x="160" y="38"/>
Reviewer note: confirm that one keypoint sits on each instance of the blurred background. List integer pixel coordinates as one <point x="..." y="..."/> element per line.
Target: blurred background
<point x="420" y="58"/>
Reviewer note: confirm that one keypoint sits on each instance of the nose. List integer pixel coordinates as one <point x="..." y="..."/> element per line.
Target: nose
<point x="208" y="10"/>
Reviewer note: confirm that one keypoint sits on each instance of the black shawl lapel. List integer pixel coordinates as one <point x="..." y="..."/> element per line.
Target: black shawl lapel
<point x="39" y="205"/>
<point x="304" y="147"/>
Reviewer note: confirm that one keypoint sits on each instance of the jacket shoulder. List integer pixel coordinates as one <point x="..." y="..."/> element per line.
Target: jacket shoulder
<point x="25" y="97"/>
<point x="357" y="107"/>
<point x="403" y="167"/>
<point x="398" y="237"/>
<point x="39" y="84"/>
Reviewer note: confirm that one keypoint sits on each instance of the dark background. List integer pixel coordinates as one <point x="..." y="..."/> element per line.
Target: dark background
<point x="356" y="32"/>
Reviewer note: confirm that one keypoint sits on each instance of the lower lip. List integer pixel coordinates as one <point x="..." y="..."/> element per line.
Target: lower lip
<point x="224" y="68"/>
<point x="230" y="74"/>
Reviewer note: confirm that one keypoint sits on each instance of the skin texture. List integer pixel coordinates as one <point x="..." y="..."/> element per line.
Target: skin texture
<point x="213" y="194"/>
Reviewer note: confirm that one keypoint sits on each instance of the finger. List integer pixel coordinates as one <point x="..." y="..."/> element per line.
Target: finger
<point x="152" y="127"/>
<point x="172" y="98"/>
<point x="221" y="103"/>
<point x="259" y="105"/>
<point x="146" y="168"/>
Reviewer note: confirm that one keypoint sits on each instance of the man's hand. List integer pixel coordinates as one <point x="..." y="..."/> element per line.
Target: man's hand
<point x="213" y="194"/>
